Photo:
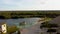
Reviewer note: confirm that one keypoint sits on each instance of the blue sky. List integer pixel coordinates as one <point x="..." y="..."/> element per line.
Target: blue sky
<point x="29" y="4"/>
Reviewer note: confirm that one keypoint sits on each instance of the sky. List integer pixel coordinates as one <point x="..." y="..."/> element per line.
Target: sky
<point x="29" y="4"/>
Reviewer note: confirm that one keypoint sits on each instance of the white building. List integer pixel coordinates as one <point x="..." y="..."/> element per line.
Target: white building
<point x="3" y="28"/>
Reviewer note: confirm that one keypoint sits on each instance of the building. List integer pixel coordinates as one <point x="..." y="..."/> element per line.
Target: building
<point x="3" y="28"/>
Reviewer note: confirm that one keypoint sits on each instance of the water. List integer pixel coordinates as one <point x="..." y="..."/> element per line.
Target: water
<point x="29" y="21"/>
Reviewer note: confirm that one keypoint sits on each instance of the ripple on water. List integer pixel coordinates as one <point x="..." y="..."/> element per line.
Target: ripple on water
<point x="29" y="21"/>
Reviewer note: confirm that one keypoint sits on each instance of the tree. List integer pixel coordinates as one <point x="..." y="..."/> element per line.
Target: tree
<point x="51" y="30"/>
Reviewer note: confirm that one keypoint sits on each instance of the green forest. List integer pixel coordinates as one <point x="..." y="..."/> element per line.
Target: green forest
<point x="28" y="14"/>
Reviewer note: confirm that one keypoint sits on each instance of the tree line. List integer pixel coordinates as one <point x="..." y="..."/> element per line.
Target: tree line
<point x="26" y="15"/>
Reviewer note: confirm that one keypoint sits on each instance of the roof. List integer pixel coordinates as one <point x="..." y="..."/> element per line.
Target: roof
<point x="56" y="20"/>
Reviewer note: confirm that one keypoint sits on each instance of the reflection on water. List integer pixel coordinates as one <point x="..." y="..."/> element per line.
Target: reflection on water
<point x="29" y="21"/>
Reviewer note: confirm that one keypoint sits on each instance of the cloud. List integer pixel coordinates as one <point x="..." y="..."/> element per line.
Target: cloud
<point x="22" y="4"/>
<point x="29" y="4"/>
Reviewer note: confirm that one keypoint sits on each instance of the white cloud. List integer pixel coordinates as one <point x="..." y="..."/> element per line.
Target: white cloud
<point x="6" y="1"/>
<point x="24" y="4"/>
<point x="32" y="4"/>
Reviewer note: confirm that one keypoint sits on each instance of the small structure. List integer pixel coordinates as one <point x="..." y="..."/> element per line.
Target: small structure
<point x="3" y="28"/>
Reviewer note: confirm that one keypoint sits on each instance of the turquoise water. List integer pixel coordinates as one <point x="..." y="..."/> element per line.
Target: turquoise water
<point x="29" y="22"/>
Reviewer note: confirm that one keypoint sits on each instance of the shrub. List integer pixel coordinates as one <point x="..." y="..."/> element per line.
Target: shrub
<point x="51" y="30"/>
<point x="12" y="29"/>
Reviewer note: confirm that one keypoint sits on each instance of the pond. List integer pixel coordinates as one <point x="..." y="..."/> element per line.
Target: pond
<point x="28" y="21"/>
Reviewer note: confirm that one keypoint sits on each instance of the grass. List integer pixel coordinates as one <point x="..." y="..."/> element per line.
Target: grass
<point x="12" y="29"/>
<point x="48" y="19"/>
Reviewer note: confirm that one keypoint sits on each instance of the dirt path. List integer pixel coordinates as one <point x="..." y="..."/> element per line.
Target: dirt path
<point x="35" y="29"/>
